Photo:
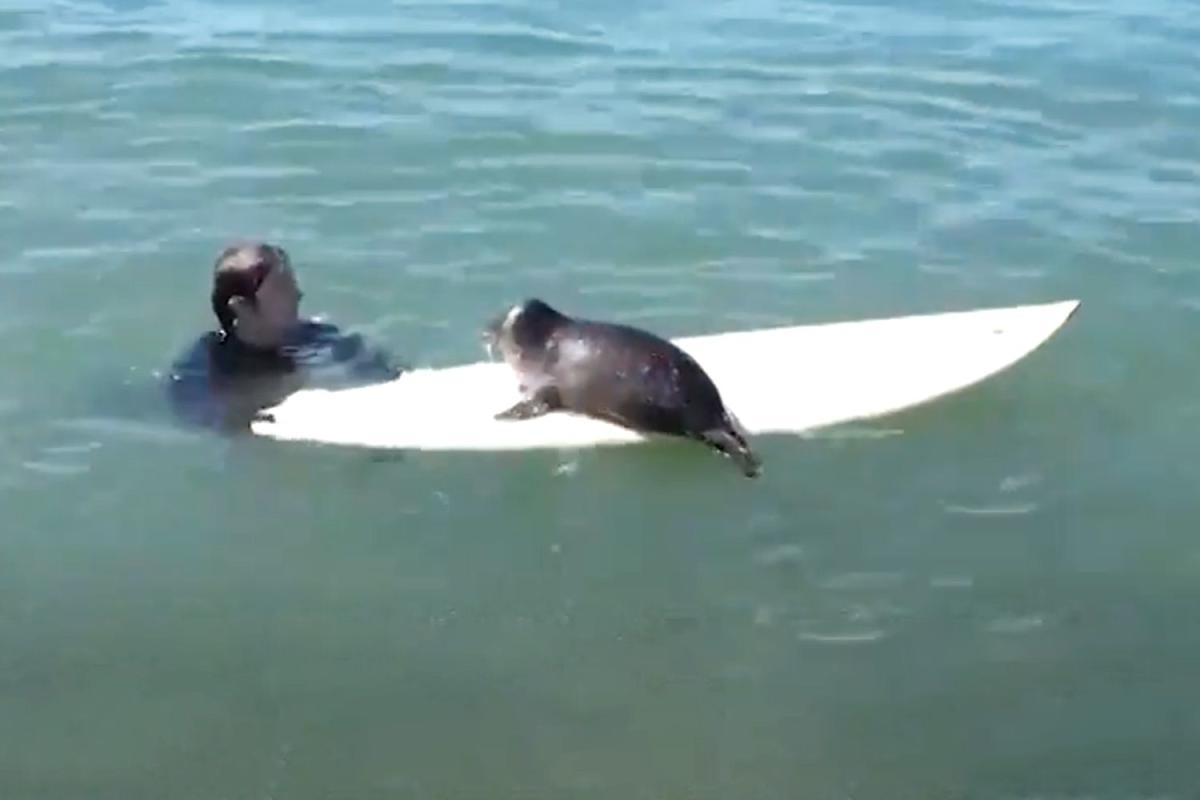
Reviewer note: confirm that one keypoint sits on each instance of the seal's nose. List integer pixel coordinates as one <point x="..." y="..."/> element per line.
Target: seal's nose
<point x="490" y="334"/>
<point x="492" y="329"/>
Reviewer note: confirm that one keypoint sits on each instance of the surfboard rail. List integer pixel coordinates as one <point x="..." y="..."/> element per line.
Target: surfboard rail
<point x="777" y="381"/>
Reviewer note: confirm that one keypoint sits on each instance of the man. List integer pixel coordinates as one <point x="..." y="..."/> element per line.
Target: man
<point x="263" y="350"/>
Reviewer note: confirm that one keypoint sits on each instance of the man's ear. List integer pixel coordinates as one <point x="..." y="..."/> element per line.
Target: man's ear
<point x="239" y="305"/>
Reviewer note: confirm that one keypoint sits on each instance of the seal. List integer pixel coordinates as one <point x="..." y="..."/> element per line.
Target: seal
<point x="613" y="372"/>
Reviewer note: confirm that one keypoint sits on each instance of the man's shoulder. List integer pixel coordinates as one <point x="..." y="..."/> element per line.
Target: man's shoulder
<point x="318" y="329"/>
<point x="347" y="350"/>
<point x="196" y="357"/>
<point x="212" y="355"/>
<point x="194" y="379"/>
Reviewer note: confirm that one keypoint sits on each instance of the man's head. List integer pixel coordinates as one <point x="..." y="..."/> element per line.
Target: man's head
<point x="255" y="295"/>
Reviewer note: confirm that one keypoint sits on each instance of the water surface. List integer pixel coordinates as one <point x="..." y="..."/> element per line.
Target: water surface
<point x="991" y="596"/>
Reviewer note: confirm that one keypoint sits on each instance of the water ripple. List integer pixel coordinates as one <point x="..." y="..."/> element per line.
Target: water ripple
<point x="853" y="637"/>
<point x="1006" y="510"/>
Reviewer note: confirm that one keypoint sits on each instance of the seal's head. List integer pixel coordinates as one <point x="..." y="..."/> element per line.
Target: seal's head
<point x="523" y="331"/>
<point x="255" y="295"/>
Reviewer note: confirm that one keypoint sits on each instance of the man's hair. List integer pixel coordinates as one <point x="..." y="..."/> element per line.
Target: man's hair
<point x="238" y="272"/>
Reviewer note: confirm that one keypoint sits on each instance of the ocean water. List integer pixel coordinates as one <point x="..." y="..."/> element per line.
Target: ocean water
<point x="992" y="596"/>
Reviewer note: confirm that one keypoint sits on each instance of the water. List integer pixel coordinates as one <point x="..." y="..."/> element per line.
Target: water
<point x="992" y="596"/>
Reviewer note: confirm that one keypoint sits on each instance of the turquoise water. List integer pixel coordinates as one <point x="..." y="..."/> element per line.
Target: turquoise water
<point x="992" y="596"/>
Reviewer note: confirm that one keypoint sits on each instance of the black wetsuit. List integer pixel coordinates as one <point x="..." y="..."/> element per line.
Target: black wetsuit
<point x="221" y="383"/>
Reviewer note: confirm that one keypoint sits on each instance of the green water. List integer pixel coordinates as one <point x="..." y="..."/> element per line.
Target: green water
<point x="993" y="596"/>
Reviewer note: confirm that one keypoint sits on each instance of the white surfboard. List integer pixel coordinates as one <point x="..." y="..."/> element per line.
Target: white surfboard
<point x="784" y="380"/>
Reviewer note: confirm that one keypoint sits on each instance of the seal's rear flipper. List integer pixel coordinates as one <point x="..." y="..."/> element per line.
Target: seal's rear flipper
<point x="731" y="443"/>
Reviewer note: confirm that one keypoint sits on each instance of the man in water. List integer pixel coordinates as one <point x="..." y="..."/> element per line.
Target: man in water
<point x="263" y="350"/>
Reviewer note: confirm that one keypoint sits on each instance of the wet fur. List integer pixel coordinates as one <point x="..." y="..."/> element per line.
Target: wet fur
<point x="617" y="373"/>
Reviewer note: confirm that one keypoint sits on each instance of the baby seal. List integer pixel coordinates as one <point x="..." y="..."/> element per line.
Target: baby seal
<point x="616" y="373"/>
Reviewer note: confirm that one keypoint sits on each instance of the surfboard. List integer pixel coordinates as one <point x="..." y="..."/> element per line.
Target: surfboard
<point x="778" y="380"/>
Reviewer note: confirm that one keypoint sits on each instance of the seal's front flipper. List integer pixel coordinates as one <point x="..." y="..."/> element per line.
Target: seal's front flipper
<point x="538" y="405"/>
<point x="730" y="442"/>
<point x="526" y="409"/>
